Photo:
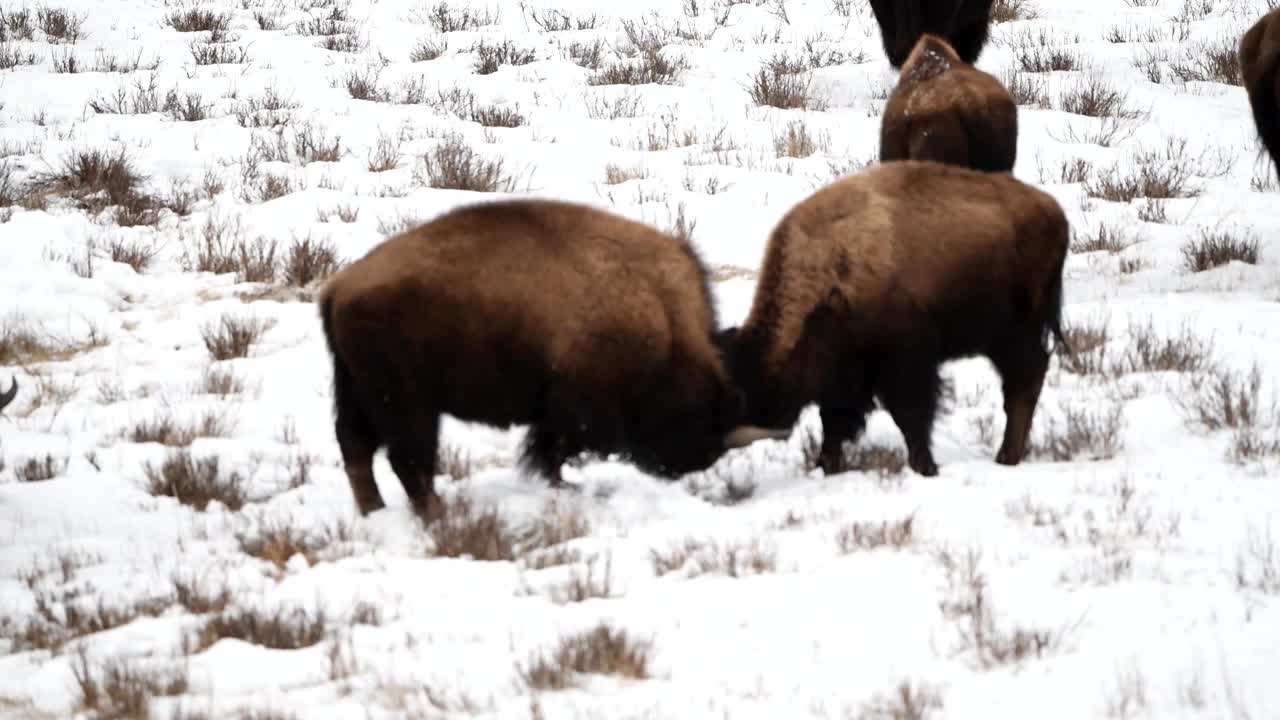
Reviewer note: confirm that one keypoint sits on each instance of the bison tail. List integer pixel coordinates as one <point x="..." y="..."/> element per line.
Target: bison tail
<point x="343" y="383"/>
<point x="1264" y="101"/>
<point x="1053" y="316"/>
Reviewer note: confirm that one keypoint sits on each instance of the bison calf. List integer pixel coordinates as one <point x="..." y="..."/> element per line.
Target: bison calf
<point x="594" y="330"/>
<point x="1260" y="64"/>
<point x="964" y="23"/>
<point x="945" y="110"/>
<point x="868" y="285"/>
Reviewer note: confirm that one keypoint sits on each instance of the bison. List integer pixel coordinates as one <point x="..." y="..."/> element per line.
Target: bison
<point x="7" y="396"/>
<point x="1260" y="65"/>
<point x="964" y="23"/>
<point x="594" y="330"/>
<point x="872" y="282"/>
<point x="945" y="110"/>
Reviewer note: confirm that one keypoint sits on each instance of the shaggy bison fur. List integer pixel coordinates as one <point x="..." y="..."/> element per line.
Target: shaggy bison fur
<point x="964" y="23"/>
<point x="945" y="110"/>
<point x="1260" y="64"/>
<point x="594" y="330"/>
<point x="868" y="285"/>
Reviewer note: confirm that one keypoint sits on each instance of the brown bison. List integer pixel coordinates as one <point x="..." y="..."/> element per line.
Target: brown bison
<point x="945" y="110"/>
<point x="7" y="396"/>
<point x="594" y="330"/>
<point x="964" y="23"/>
<point x="1260" y="64"/>
<point x="868" y="285"/>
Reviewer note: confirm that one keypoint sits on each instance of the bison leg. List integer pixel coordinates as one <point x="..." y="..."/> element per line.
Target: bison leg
<point x="909" y="391"/>
<point x="844" y="416"/>
<point x="545" y="451"/>
<point x="412" y="454"/>
<point x="1021" y="362"/>
<point x="357" y="441"/>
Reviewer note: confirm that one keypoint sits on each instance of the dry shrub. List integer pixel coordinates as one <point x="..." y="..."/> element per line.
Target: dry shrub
<point x="1216" y="61"/>
<point x="195" y="481"/>
<point x="700" y="557"/>
<point x="233" y="336"/>
<point x="907" y="702"/>
<point x="1216" y="247"/>
<point x="1088" y="341"/>
<point x="1084" y="431"/>
<point x="221" y="382"/>
<point x="490" y="57"/>
<point x="584" y="583"/>
<point x="21" y="343"/>
<point x="1161" y="174"/>
<point x="784" y="83"/>
<point x="270" y="110"/>
<point x="968" y="602"/>
<point x="1106" y="238"/>
<point x="1094" y="97"/>
<point x="278" y="541"/>
<point x="94" y="179"/>
<point x="454" y="165"/>
<point x="168" y="430"/>
<point x="1027" y="90"/>
<point x="1184" y="351"/>
<point x="219" y="54"/>
<point x="1258" y="563"/>
<point x="429" y="49"/>
<point x="858" y="536"/>
<point x="119" y="687"/>
<point x="601" y="650"/>
<point x="309" y="261"/>
<point x="1003" y="11"/>
<point x="447" y="18"/>
<point x="199" y="20"/>
<point x="59" y="25"/>
<point x="650" y="67"/>
<point x="285" y="628"/>
<point x="468" y="530"/>
<point x="796" y="141"/>
<point x="39" y="469"/>
<point x="1220" y="397"/>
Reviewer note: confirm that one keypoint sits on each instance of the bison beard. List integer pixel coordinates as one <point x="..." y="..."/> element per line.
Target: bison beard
<point x="964" y="23"/>
<point x="593" y="330"/>
<point x="1259" y="53"/>
<point x="874" y="281"/>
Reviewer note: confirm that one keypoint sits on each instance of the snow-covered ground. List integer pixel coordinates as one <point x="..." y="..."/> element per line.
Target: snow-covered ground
<point x="1129" y="569"/>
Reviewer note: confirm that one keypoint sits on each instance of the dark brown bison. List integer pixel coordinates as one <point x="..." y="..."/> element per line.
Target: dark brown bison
<point x="945" y="110"/>
<point x="868" y="285"/>
<point x="594" y="330"/>
<point x="1260" y="64"/>
<point x="964" y="23"/>
<point x="7" y="396"/>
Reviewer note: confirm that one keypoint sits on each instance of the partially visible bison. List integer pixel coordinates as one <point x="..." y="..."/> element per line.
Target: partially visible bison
<point x="7" y="396"/>
<point x="964" y="23"/>
<point x="948" y="111"/>
<point x="1260" y="64"/>
<point x="594" y="330"/>
<point x="868" y="285"/>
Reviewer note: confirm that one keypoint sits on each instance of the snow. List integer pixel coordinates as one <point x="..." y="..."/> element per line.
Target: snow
<point x="1152" y="577"/>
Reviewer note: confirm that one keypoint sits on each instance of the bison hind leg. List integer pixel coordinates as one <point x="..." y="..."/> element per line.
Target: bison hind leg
<point x="412" y="454"/>
<point x="1021" y="360"/>
<point x="358" y="440"/>
<point x="545" y="451"/>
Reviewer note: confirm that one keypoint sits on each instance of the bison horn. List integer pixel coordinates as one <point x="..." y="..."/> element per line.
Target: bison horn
<point x="744" y="435"/>
<point x="7" y="396"/>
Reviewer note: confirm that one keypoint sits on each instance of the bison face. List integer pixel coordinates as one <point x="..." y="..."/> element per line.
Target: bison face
<point x="764" y="396"/>
<point x="700" y="418"/>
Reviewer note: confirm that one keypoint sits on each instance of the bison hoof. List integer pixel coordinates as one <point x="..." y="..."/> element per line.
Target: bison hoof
<point x="1007" y="457"/>
<point x="925" y="467"/>
<point x="368" y="505"/>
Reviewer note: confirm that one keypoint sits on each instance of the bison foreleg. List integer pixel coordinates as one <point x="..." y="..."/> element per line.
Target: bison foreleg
<point x="844" y="416"/>
<point x="909" y="390"/>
